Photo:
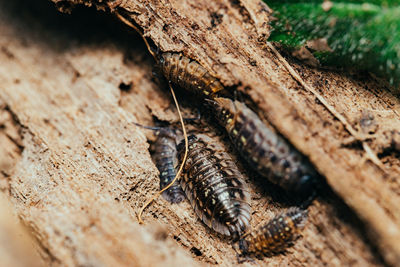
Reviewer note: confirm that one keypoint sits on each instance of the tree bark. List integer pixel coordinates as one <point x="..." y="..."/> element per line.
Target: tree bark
<point x="71" y="86"/>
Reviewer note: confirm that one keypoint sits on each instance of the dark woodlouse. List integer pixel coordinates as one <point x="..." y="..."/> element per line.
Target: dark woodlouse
<point x="215" y="187"/>
<point x="276" y="236"/>
<point x="188" y="74"/>
<point x="266" y="152"/>
<point x="165" y="158"/>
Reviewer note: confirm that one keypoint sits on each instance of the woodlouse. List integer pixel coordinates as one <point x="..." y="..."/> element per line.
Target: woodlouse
<point x="215" y="187"/>
<point x="165" y="158"/>
<point x="266" y="152"/>
<point x="188" y="74"/>
<point x="179" y="69"/>
<point x="276" y="236"/>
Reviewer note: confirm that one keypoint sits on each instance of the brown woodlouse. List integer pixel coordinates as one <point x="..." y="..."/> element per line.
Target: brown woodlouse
<point x="179" y="69"/>
<point x="267" y="152"/>
<point x="165" y="158"/>
<point x="188" y="74"/>
<point x="276" y="236"/>
<point x="215" y="187"/>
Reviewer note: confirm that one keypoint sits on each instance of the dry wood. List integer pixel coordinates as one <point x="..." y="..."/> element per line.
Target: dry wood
<point x="82" y="169"/>
<point x="82" y="159"/>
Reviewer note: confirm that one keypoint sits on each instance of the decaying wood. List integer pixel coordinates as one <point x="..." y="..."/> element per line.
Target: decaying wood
<point x="81" y="169"/>
<point x="73" y="183"/>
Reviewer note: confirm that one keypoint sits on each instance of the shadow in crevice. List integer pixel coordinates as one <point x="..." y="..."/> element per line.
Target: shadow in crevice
<point x="39" y="22"/>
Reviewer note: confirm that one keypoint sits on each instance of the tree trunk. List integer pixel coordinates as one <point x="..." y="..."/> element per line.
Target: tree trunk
<point x="76" y="169"/>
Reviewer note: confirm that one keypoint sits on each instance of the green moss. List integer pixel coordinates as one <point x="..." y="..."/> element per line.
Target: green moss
<point x="362" y="34"/>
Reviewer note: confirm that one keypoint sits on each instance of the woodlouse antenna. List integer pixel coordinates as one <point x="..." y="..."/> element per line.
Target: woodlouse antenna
<point x="154" y="128"/>
<point x="157" y="128"/>
<point x="180" y="167"/>
<point x="130" y="24"/>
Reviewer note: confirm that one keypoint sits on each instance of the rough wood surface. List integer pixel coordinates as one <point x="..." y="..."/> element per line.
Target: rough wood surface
<point x="82" y="160"/>
<point x="80" y="169"/>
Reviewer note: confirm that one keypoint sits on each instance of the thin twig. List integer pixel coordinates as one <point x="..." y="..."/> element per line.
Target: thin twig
<point x="360" y="137"/>
<point x="180" y="167"/>
<point x="130" y="24"/>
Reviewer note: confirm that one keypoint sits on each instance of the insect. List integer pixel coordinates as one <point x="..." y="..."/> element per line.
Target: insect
<point x="215" y="187"/>
<point x="165" y="158"/>
<point x="266" y="152"/>
<point x="276" y="236"/>
<point x="189" y="74"/>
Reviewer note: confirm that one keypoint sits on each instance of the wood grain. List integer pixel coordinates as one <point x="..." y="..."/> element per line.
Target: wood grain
<point x="84" y="168"/>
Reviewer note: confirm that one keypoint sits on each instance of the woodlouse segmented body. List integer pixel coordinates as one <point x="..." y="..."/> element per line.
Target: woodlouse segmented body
<point x="215" y="187"/>
<point x="189" y="74"/>
<point x="276" y="236"/>
<point x="165" y="157"/>
<point x="267" y="152"/>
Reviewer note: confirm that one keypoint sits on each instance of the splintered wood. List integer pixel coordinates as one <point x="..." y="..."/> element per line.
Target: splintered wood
<point x="76" y="168"/>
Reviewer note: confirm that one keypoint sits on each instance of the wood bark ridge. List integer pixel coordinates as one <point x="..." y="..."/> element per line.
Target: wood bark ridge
<point x="77" y="169"/>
